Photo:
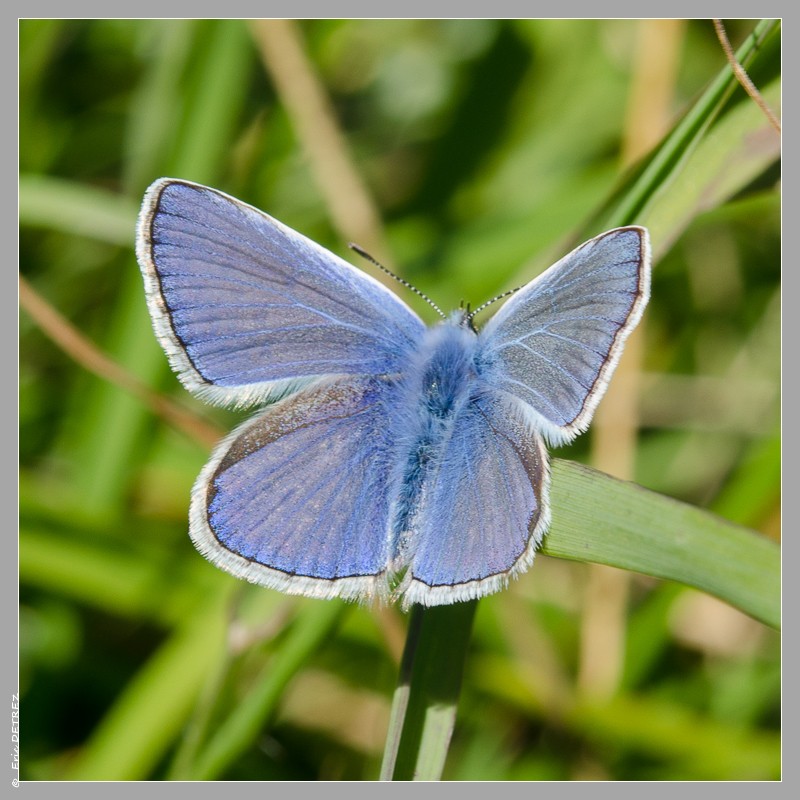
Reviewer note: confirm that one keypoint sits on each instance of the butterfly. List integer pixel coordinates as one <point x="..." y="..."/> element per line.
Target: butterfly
<point x="394" y="460"/>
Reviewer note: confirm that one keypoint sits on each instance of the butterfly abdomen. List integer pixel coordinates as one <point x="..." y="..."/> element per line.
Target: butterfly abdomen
<point x="440" y="380"/>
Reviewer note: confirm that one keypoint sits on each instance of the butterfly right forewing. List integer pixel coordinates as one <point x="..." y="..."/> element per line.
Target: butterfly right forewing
<point x="556" y="342"/>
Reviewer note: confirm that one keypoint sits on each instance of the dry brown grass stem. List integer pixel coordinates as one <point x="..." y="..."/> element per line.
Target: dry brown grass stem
<point x="349" y="201"/>
<point x="64" y="335"/>
<point x="743" y="77"/>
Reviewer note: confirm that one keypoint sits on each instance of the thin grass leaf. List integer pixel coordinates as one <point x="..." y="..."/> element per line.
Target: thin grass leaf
<point x="315" y="624"/>
<point x="754" y="488"/>
<point x="152" y="112"/>
<point x="704" y="749"/>
<point x="123" y="583"/>
<point x="77" y="209"/>
<point x="147" y="717"/>
<point x="426" y="698"/>
<point x="699" y="748"/>
<point x="733" y="153"/>
<point x="668" y="158"/>
<point x="598" y="519"/>
<point x="110" y="439"/>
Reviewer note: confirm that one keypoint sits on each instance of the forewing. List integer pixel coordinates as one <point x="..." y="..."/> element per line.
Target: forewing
<point x="246" y="307"/>
<point x="296" y="498"/>
<point x="556" y="342"/>
<point x="484" y="507"/>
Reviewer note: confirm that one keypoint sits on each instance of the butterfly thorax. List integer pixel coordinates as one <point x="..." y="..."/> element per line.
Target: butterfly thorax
<point x="444" y="369"/>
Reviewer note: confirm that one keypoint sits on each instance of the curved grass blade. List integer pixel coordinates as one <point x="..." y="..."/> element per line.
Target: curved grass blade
<point x="601" y="519"/>
<point x="148" y="716"/>
<point x="76" y="208"/>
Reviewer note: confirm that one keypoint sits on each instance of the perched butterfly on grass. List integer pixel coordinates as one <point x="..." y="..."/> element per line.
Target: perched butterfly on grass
<point x="395" y="460"/>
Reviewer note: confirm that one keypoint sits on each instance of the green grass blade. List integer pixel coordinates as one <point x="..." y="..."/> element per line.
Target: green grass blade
<point x="152" y="116"/>
<point x="111" y="439"/>
<point x="598" y="518"/>
<point x="695" y="745"/>
<point x="755" y="486"/>
<point x="732" y="154"/>
<point x="667" y="160"/>
<point x="77" y="209"/>
<point x="703" y="749"/>
<point x="123" y="583"/>
<point x="219" y="91"/>
<point x="244" y="723"/>
<point x="146" y="718"/>
<point x="425" y="701"/>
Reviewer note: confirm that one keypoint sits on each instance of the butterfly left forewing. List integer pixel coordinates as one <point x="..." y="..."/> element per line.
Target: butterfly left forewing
<point x="247" y="308"/>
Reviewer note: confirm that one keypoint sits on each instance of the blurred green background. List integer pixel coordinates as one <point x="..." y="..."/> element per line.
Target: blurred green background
<point x="486" y="146"/>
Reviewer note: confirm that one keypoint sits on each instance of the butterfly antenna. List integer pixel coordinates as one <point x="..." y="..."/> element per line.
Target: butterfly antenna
<point x="365" y="254"/>
<point x="471" y="314"/>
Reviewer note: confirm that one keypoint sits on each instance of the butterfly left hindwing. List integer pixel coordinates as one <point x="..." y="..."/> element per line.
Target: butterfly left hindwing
<point x="297" y="498"/>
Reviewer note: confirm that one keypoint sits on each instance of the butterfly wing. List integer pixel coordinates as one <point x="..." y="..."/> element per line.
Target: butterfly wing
<point x="246" y="307"/>
<point x="484" y="507"/>
<point x="297" y="498"/>
<point x="556" y="342"/>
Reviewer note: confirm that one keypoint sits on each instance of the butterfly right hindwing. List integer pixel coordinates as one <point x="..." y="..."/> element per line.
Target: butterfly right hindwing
<point x="486" y="507"/>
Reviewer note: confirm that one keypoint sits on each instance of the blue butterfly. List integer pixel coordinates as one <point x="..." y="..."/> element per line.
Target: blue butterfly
<point x="396" y="460"/>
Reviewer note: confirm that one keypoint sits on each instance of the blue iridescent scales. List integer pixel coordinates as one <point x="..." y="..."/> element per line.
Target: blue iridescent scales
<point x="392" y="460"/>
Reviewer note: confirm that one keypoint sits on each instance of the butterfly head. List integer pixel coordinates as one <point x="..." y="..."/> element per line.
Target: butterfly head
<point x="462" y="317"/>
